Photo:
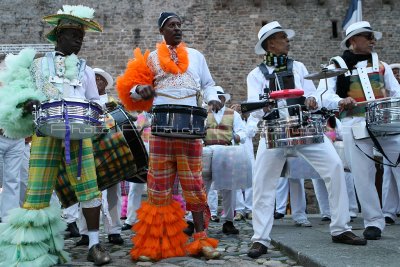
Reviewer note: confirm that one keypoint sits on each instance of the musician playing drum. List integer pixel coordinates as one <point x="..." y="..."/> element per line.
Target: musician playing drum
<point x="279" y="71"/>
<point x="57" y="75"/>
<point x="368" y="79"/>
<point x="173" y="74"/>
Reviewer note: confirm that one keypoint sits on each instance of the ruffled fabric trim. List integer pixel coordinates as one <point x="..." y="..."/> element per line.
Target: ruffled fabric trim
<point x="200" y="240"/>
<point x="166" y="62"/>
<point x="136" y="73"/>
<point x="33" y="238"/>
<point x="17" y="86"/>
<point x="159" y="232"/>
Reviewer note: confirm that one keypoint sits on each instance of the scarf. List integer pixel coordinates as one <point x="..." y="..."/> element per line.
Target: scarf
<point x="173" y="59"/>
<point x="343" y="82"/>
<point x="279" y="62"/>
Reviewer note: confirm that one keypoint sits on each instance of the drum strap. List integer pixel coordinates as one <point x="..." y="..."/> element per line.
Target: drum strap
<point x="380" y="150"/>
<point x="173" y="97"/>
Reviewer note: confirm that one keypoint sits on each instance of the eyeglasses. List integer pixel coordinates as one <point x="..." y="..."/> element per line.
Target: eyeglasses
<point x="367" y="35"/>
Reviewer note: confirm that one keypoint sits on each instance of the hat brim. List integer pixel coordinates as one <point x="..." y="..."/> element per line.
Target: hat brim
<point x="378" y="36"/>
<point x="227" y="97"/>
<point x="260" y="50"/>
<point x="395" y="66"/>
<point x="109" y="79"/>
<point x="89" y="25"/>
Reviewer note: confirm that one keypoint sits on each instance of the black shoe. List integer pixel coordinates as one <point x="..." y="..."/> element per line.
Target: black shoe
<point x="256" y="250"/>
<point x="349" y="238"/>
<point x="214" y="218"/>
<point x="229" y="229"/>
<point x="389" y="221"/>
<point x="98" y="255"/>
<point x="73" y="230"/>
<point x="325" y="219"/>
<point x="190" y="229"/>
<point x="278" y="215"/>
<point x="126" y="226"/>
<point x="84" y="241"/>
<point x="372" y="233"/>
<point x="115" y="239"/>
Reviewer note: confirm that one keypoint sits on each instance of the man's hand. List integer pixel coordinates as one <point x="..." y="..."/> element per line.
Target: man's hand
<point x="28" y="106"/>
<point x="236" y="107"/>
<point x="346" y="103"/>
<point x="214" y="105"/>
<point x="236" y="138"/>
<point x="145" y="91"/>
<point x="110" y="106"/>
<point x="271" y="104"/>
<point x="311" y="103"/>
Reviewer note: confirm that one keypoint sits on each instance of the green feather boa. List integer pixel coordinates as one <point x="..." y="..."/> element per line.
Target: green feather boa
<point x="17" y="87"/>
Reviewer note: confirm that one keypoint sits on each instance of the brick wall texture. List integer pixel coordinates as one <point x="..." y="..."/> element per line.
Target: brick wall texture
<point x="224" y="30"/>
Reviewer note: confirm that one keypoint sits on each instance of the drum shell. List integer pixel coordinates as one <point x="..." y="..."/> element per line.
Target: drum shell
<point x="179" y="121"/>
<point x="207" y="163"/>
<point x="84" y="119"/>
<point x="293" y="131"/>
<point x="384" y="115"/>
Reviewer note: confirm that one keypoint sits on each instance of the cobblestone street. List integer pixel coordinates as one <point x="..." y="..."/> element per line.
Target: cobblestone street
<point x="233" y="248"/>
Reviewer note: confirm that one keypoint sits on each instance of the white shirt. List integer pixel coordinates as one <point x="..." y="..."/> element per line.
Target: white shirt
<point x="256" y="83"/>
<point x="330" y="99"/>
<point x="238" y="125"/>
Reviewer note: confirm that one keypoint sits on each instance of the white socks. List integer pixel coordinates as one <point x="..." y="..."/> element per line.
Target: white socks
<point x="93" y="238"/>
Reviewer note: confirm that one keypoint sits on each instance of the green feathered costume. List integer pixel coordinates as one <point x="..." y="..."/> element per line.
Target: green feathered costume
<point x="30" y="237"/>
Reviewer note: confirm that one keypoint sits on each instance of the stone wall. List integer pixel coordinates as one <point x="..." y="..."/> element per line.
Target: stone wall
<point x="224" y="30"/>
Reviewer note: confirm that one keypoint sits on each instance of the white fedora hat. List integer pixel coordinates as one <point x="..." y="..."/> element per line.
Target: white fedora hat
<point x="395" y="66"/>
<point x="220" y="91"/>
<point x="356" y="28"/>
<point x="105" y="75"/>
<point x="266" y="31"/>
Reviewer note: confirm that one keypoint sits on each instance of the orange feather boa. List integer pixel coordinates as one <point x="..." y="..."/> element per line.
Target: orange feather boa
<point x="166" y="62"/>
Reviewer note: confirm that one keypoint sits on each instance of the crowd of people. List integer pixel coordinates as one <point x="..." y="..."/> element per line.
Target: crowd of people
<point x="183" y="123"/>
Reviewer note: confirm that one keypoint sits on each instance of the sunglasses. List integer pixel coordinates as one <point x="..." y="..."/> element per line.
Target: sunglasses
<point x="367" y="35"/>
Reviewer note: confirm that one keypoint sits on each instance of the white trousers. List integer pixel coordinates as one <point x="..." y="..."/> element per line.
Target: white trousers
<point x="268" y="168"/>
<point x="228" y="201"/>
<point x="24" y="173"/>
<point x="297" y="197"/>
<point x="134" y="199"/>
<point x="212" y="200"/>
<point x="12" y="153"/>
<point x="111" y="212"/>
<point x="322" y="196"/>
<point x="244" y="200"/>
<point x="390" y="192"/>
<point x="364" y="171"/>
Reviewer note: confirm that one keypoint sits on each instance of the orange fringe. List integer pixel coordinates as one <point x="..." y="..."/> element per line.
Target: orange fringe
<point x="136" y="73"/>
<point x="166" y="62"/>
<point x="159" y="232"/>
<point x="195" y="247"/>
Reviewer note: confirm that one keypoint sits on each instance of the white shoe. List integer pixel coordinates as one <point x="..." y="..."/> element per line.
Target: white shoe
<point x="305" y="223"/>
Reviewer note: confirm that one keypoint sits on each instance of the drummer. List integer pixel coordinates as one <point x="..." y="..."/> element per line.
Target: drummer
<point x="274" y="45"/>
<point x="344" y="92"/>
<point x="173" y="74"/>
<point x="59" y="74"/>
<point x="225" y="128"/>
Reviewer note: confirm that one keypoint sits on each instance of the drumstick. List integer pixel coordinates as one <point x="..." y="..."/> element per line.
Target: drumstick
<point x="369" y="101"/>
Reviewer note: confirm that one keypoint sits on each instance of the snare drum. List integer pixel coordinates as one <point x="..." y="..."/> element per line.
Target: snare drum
<point x="384" y="115"/>
<point x="69" y="118"/>
<point x="179" y="121"/>
<point x="302" y="129"/>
